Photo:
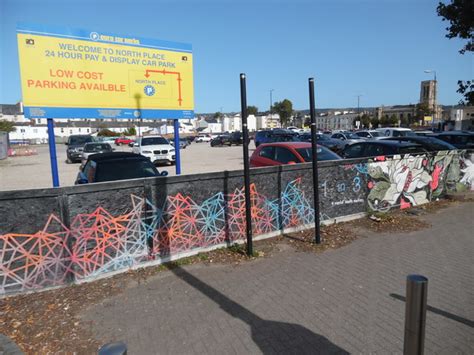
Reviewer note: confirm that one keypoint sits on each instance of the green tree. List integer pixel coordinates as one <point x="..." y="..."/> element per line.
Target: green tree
<point x="252" y="110"/>
<point x="6" y="126"/>
<point x="385" y="121"/>
<point x="393" y="120"/>
<point x="285" y="110"/>
<point x="365" y="120"/>
<point x="404" y="121"/>
<point x="130" y="131"/>
<point x="374" y="121"/>
<point x="218" y="115"/>
<point x="423" y="110"/>
<point x="459" y="14"/>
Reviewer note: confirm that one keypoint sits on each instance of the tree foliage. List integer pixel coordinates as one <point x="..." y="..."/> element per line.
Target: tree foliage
<point x="460" y="14"/>
<point x="218" y="115"/>
<point x="105" y="132"/>
<point x="284" y="109"/>
<point x="6" y="126"/>
<point x="365" y="120"/>
<point x="131" y="131"/>
<point x="374" y="121"/>
<point x="466" y="88"/>
<point x="252" y="110"/>
<point x="422" y="110"/>
<point x="393" y="120"/>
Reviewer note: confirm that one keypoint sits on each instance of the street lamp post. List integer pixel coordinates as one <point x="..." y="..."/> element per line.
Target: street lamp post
<point x="435" y="96"/>
<point x="271" y="104"/>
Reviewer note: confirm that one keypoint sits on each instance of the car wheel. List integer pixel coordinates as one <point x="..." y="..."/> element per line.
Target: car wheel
<point x="68" y="161"/>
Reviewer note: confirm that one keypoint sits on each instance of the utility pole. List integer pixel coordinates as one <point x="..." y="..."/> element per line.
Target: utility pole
<point x="271" y="104"/>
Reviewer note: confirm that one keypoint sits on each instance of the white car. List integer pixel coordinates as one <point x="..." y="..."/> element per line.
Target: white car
<point x="155" y="148"/>
<point x="395" y="132"/>
<point x="203" y="138"/>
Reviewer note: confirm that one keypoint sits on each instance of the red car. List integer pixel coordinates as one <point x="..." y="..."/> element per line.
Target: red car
<point x="270" y="154"/>
<point x="123" y="140"/>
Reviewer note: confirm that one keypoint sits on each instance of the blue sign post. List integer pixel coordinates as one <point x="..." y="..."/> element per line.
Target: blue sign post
<point x="176" y="147"/>
<point x="52" y="153"/>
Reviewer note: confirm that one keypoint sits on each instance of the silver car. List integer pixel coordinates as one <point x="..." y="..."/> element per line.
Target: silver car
<point x="95" y="148"/>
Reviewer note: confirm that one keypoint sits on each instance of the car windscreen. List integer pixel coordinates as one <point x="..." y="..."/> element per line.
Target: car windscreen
<point x="79" y="140"/>
<point x="375" y="134"/>
<point x="154" y="141"/>
<point x="122" y="169"/>
<point x="352" y="136"/>
<point x="323" y="154"/>
<point x="97" y="147"/>
<point x="404" y="134"/>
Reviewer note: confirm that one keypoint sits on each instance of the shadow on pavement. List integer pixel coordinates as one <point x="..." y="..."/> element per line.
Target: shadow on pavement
<point x="269" y="336"/>
<point x="454" y="317"/>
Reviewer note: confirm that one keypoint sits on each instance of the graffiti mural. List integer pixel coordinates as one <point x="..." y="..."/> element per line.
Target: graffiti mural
<point x="98" y="243"/>
<point x="413" y="180"/>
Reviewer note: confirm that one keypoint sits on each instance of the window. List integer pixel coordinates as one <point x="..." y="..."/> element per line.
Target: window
<point x="268" y="152"/>
<point x="22" y="130"/>
<point x="354" y="151"/>
<point x="62" y="130"/>
<point x="35" y="130"/>
<point x="363" y="134"/>
<point x="374" y="150"/>
<point x="79" y="130"/>
<point x="284" y="156"/>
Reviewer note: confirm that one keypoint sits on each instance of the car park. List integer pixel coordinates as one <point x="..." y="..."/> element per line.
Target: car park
<point x="116" y="166"/>
<point x="95" y="148"/>
<point x="203" y="138"/>
<point x="379" y="148"/>
<point x="395" y="132"/>
<point x="75" y="145"/>
<point x="270" y="154"/>
<point x="156" y="148"/>
<point x="431" y="144"/>
<point x="460" y="139"/>
<point x="124" y="141"/>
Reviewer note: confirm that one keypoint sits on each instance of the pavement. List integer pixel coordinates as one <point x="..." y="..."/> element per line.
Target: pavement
<point x="347" y="300"/>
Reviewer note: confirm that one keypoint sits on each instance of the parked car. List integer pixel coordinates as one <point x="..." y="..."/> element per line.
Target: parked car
<point x="275" y="135"/>
<point x="336" y="145"/>
<point x="236" y="138"/>
<point x="203" y="138"/>
<point x="396" y="132"/>
<point x="221" y="140"/>
<point x="380" y="148"/>
<point x="460" y="139"/>
<point x="431" y="144"/>
<point x="123" y="141"/>
<point x="155" y="148"/>
<point x="183" y="143"/>
<point x="75" y="145"/>
<point x="369" y="134"/>
<point x="95" y="148"/>
<point x="116" y="166"/>
<point x="270" y="154"/>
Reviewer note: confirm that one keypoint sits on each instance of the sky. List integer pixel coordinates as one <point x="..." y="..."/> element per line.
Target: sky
<point x="378" y="49"/>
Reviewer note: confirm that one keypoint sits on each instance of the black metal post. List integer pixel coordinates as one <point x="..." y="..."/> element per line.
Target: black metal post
<point x="314" y="148"/>
<point x="415" y="315"/>
<point x="245" y="136"/>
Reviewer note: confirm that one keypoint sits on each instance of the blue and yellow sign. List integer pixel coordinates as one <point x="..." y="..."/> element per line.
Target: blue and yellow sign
<point x="86" y="74"/>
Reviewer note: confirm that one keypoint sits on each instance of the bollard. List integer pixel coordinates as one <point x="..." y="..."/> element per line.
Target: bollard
<point x="118" y="348"/>
<point x="415" y="315"/>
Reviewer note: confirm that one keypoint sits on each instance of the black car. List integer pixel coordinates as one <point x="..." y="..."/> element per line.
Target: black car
<point x="460" y="139"/>
<point x="116" y="166"/>
<point x="221" y="140"/>
<point x="380" y="148"/>
<point x="236" y="138"/>
<point x="275" y="135"/>
<point x="336" y="145"/>
<point x="431" y="144"/>
<point x="75" y="147"/>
